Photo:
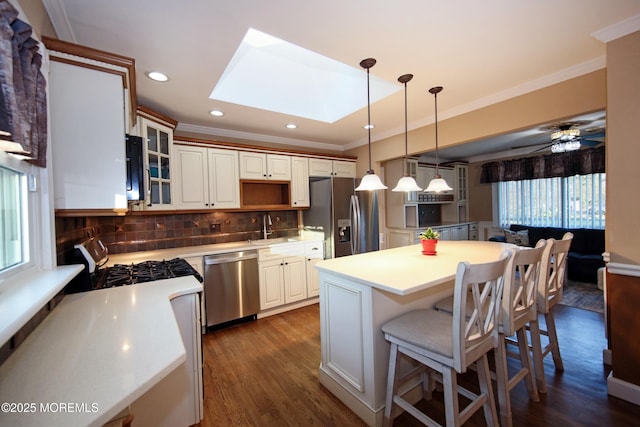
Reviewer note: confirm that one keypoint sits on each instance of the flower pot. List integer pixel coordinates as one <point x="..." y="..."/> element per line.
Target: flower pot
<point x="429" y="246"/>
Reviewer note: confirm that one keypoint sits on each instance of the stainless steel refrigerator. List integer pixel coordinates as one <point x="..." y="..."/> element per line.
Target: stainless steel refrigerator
<point x="349" y="219"/>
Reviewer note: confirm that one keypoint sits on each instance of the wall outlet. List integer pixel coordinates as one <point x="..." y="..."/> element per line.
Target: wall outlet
<point x="214" y="227"/>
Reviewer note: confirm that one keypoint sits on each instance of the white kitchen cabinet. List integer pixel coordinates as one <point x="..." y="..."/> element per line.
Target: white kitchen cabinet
<point x="299" y="182"/>
<point x="282" y="281"/>
<point x="314" y="252"/>
<point x="255" y="165"/>
<point x="161" y="405"/>
<point x="87" y="119"/>
<point x="158" y="143"/>
<point x="327" y="168"/>
<point x="206" y="178"/>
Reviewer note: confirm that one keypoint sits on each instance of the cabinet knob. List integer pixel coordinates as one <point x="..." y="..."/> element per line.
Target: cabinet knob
<point x="206" y="204"/>
<point x="264" y="175"/>
<point x="269" y="175"/>
<point x="286" y="263"/>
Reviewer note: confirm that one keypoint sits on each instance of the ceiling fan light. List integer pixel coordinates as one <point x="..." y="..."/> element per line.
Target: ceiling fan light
<point x="437" y="185"/>
<point x="565" y="134"/>
<point x="407" y="183"/>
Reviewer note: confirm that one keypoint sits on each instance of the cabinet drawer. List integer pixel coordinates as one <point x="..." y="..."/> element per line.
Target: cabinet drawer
<point x="314" y="250"/>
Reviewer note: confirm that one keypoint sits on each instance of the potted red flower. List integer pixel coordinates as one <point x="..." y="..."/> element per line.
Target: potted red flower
<point x="429" y="239"/>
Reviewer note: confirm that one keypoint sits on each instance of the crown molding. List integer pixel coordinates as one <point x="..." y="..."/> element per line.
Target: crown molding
<point x="617" y="30"/>
<point x="248" y="136"/>
<point x="59" y="20"/>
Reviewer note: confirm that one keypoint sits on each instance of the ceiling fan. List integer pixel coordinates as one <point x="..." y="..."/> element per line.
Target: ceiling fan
<point x="567" y="136"/>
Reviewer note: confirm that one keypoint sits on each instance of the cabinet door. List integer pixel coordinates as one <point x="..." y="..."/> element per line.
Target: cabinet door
<point x="299" y="182"/>
<point x="271" y="283"/>
<point x="461" y="182"/>
<point x="295" y="279"/>
<point x="313" y="279"/>
<point x="448" y="175"/>
<point x="191" y="180"/>
<point x="253" y="165"/>
<point x="320" y="167"/>
<point x="278" y="167"/>
<point x="87" y="138"/>
<point x="157" y="148"/>
<point x="224" y="184"/>
<point x="344" y="169"/>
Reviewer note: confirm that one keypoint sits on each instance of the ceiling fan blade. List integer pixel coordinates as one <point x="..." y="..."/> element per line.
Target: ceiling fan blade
<point x="529" y="146"/>
<point x="542" y="148"/>
<point x="590" y="142"/>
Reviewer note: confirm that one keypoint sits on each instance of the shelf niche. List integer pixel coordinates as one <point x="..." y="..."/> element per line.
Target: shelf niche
<point x="268" y="195"/>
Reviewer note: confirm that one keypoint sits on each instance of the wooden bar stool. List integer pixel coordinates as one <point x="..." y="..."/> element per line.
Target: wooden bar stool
<point x="447" y="345"/>
<point x="518" y="310"/>
<point x="552" y="278"/>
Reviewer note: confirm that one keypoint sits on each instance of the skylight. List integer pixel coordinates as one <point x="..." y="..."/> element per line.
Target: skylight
<point x="272" y="74"/>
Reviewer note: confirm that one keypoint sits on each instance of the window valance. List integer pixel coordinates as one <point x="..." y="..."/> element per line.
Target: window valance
<point x="580" y="162"/>
<point x="23" y="99"/>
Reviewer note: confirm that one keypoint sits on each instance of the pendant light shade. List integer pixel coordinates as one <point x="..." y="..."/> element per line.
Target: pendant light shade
<point x="371" y="181"/>
<point x="437" y="184"/>
<point x="406" y="183"/>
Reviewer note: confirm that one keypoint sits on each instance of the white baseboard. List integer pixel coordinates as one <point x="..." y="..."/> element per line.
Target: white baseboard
<point x="606" y="356"/>
<point x="623" y="390"/>
<point x="288" y="307"/>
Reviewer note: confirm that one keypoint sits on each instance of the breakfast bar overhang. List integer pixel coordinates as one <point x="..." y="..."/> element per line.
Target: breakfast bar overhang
<point x="359" y="293"/>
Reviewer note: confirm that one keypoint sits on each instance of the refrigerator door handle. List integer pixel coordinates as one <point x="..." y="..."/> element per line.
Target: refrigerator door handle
<point x="355" y="225"/>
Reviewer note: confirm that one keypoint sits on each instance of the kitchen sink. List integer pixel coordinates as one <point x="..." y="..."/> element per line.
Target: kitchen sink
<point x="266" y="242"/>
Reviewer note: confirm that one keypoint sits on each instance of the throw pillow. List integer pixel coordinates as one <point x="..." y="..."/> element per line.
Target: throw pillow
<point x="520" y="238"/>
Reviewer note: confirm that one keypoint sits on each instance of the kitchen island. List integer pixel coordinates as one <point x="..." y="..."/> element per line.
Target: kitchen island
<point x="359" y="293"/>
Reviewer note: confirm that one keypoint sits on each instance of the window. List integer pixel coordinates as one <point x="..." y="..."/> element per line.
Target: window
<point x="570" y="202"/>
<point x="13" y="227"/>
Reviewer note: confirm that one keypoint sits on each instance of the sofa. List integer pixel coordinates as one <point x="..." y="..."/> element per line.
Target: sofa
<point x="585" y="254"/>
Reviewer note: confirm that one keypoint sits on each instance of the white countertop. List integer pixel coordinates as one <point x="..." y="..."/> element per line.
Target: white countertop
<point x="98" y="351"/>
<point x="405" y="270"/>
<point x="202" y="250"/>
<point x="21" y="298"/>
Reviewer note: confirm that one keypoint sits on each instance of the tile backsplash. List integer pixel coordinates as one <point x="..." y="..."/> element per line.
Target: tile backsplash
<point x="131" y="233"/>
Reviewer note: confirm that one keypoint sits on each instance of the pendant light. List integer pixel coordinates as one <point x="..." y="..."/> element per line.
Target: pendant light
<point x="437" y="184"/>
<point x="371" y="181"/>
<point x="406" y="183"/>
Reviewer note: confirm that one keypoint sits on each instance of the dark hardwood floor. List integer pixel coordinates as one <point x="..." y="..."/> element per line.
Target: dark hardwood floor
<point x="265" y="373"/>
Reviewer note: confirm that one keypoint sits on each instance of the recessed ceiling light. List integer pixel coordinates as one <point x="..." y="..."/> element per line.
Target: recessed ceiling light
<point x="368" y="126"/>
<point x="216" y="113"/>
<point x="157" y="76"/>
<point x="291" y="126"/>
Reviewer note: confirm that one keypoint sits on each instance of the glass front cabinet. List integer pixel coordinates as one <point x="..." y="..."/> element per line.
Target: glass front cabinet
<point x="158" y="142"/>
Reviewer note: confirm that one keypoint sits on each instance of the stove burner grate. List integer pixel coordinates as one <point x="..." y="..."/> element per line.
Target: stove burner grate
<point x="147" y="271"/>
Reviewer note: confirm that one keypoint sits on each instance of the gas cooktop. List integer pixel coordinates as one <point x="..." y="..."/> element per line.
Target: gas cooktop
<point x="147" y="271"/>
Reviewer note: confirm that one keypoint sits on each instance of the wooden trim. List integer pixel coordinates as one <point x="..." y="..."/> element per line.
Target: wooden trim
<point x="89" y="53"/>
<point x="90" y="212"/>
<point x="150" y="114"/>
<point x="65" y="60"/>
<point x="197" y="142"/>
<point x="210" y="210"/>
<point x="129" y="82"/>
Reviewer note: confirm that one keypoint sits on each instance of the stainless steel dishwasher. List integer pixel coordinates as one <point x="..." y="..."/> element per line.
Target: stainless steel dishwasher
<point x="231" y="289"/>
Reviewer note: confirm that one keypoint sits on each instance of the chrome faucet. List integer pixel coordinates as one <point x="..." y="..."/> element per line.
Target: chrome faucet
<point x="265" y="233"/>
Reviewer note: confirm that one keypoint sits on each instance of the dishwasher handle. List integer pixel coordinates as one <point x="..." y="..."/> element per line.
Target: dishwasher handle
<point x="230" y="257"/>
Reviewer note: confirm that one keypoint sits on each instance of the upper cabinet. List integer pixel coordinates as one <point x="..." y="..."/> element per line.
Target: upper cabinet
<point x="90" y="112"/>
<point x="299" y="182"/>
<point x="327" y="168"/>
<point x="206" y="178"/>
<point x="255" y="165"/>
<point x="157" y="133"/>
